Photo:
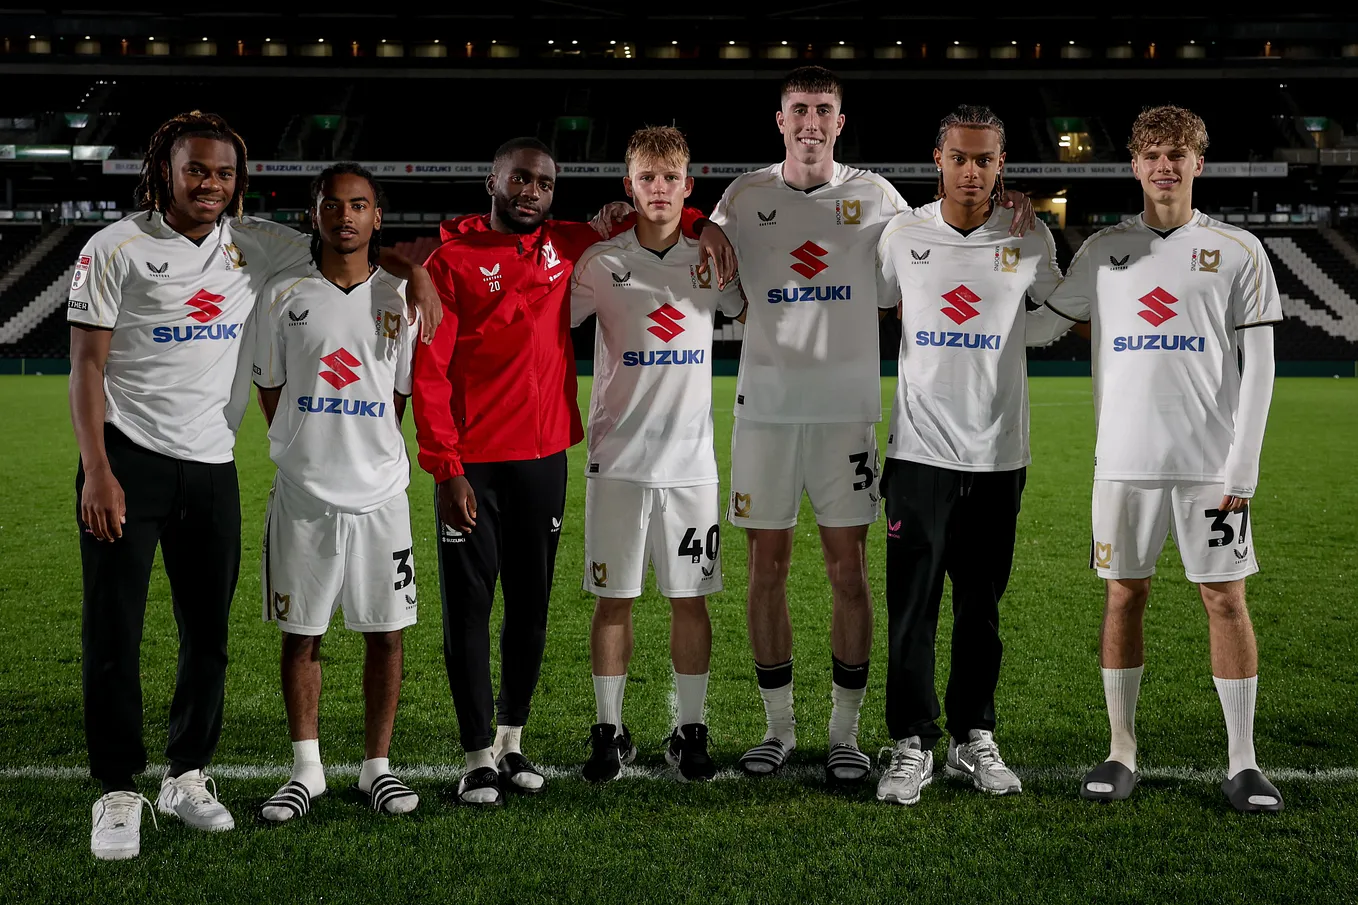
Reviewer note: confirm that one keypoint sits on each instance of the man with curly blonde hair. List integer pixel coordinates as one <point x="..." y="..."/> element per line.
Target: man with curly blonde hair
<point x="1174" y="297"/>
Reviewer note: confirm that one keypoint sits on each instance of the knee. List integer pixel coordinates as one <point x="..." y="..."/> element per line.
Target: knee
<point x="1225" y="601"/>
<point x="848" y="575"/>
<point x="384" y="643"/>
<point x="613" y="609"/>
<point x="301" y="648"/>
<point x="689" y="607"/>
<point x="1128" y="597"/>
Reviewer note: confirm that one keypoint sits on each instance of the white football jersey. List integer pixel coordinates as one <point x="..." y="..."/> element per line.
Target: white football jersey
<point x="179" y="310"/>
<point x="808" y="270"/>
<point x="340" y="357"/>
<point x="962" y="390"/>
<point x="650" y="410"/>
<point x="1164" y="315"/>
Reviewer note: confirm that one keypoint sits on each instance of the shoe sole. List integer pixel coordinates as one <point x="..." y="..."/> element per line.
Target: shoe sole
<point x="674" y="762"/>
<point x="955" y="773"/>
<point x="624" y="760"/>
<point x="116" y="854"/>
<point x="895" y="799"/>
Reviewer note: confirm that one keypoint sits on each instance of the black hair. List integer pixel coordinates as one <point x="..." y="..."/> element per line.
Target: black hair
<point x="972" y="116"/>
<point x="345" y="168"/>
<point x="524" y="143"/>
<point x="154" y="192"/>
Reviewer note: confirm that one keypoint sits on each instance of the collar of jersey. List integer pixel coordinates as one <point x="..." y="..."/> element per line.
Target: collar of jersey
<point x="1192" y="221"/>
<point x="629" y="242"/>
<point x="163" y="230"/>
<point x="984" y="231"/>
<point x="315" y="273"/>
<point x="837" y="178"/>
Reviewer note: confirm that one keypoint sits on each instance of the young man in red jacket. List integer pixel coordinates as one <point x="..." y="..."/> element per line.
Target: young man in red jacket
<point x="495" y="410"/>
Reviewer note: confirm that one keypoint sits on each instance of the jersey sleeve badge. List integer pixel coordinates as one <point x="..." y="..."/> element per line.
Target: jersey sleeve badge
<point x="82" y="273"/>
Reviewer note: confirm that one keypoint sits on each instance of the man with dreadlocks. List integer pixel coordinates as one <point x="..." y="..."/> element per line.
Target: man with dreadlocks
<point x="333" y="365"/>
<point x="957" y="449"/>
<point x="159" y="305"/>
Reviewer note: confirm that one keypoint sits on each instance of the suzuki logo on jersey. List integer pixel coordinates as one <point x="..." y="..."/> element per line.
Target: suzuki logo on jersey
<point x="340" y="362"/>
<point x="1150" y="342"/>
<point x="957" y="340"/>
<point x="334" y="405"/>
<point x="549" y="256"/>
<point x="848" y="213"/>
<point x="665" y="318"/>
<point x="961" y="299"/>
<point x="809" y="255"/>
<point x="664" y="357"/>
<point x="1157" y="301"/>
<point x="206" y="303"/>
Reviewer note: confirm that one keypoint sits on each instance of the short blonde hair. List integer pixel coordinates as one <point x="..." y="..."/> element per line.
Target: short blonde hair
<point x="661" y="144"/>
<point x="1168" y="125"/>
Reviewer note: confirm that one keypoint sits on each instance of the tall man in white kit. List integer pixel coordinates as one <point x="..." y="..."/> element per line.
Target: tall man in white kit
<point x="1175" y="300"/>
<point x="333" y="360"/>
<point x="808" y="395"/>
<point x="957" y="451"/>
<point x="652" y="492"/>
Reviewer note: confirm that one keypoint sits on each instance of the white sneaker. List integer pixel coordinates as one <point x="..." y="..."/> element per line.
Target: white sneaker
<point x="116" y="834"/>
<point x="909" y="771"/>
<point x="189" y="798"/>
<point x="979" y="762"/>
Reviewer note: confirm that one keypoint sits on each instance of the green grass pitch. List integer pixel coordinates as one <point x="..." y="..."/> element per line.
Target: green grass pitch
<point x="645" y="838"/>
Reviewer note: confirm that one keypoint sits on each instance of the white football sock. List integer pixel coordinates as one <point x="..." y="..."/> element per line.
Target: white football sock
<point x="778" y="712"/>
<point x="478" y="759"/>
<point x="1237" y="703"/>
<point x="845" y="703"/>
<point x="306" y="765"/>
<point x="1120" y="689"/>
<point x="608" y="692"/>
<point x="690" y="692"/>
<point x="372" y="768"/>
<point x="507" y="739"/>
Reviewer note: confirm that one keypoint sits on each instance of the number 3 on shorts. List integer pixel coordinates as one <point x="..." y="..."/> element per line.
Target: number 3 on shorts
<point x="404" y="573"/>
<point x="1223" y="535"/>
<point x="861" y="471"/>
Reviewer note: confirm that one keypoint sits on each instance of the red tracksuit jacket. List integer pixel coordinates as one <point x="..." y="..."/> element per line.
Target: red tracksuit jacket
<point x="497" y="384"/>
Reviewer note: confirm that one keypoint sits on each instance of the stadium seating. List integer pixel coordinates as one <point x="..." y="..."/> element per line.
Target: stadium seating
<point x="33" y="294"/>
<point x="1319" y="287"/>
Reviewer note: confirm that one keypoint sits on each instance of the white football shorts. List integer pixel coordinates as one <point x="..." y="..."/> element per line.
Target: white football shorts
<point x="317" y="559"/>
<point x="838" y="465"/>
<point x="1132" y="518"/>
<point x="676" y="528"/>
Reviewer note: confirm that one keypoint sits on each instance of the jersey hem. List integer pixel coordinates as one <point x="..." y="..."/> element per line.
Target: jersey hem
<point x="838" y="419"/>
<point x="1258" y="324"/>
<point x="1068" y="317"/>
<point x="294" y="489"/>
<point x="959" y="466"/>
<point x="781" y="525"/>
<point x="1124" y="574"/>
<point x="656" y="485"/>
<point x="1170" y="478"/>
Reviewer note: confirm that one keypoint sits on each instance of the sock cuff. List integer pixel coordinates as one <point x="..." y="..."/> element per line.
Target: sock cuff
<point x="604" y="679"/>
<point x="1235" y="683"/>
<point x="1128" y="671"/>
<point x="851" y="677"/>
<point x="692" y="675"/>
<point x="777" y="676"/>
<point x="307" y="750"/>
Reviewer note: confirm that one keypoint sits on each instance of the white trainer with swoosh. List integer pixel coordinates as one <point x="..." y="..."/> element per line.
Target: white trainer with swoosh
<point x="979" y="762"/>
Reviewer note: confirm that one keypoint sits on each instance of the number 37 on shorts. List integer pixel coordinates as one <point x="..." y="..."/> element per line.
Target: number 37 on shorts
<point x="1132" y="519"/>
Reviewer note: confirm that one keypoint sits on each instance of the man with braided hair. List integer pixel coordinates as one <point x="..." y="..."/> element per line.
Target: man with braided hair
<point x="957" y="449"/>
<point x="159" y="305"/>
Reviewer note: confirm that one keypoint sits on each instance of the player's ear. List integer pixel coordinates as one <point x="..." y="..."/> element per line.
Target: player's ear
<point x="627" y="186"/>
<point x="688" y="186"/>
<point x="1197" y="171"/>
<point x="839" y="123"/>
<point x="377" y="219"/>
<point x="938" y="158"/>
<point x="779" y="117"/>
<point x="490" y="183"/>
